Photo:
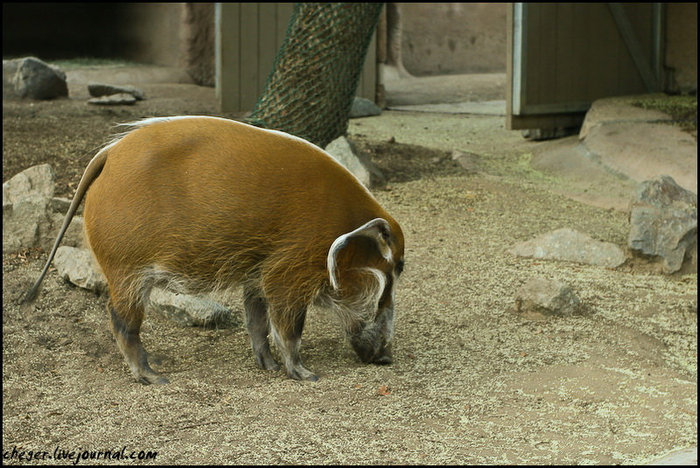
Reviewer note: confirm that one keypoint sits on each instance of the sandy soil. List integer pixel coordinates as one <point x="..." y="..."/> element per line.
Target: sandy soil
<point x="472" y="382"/>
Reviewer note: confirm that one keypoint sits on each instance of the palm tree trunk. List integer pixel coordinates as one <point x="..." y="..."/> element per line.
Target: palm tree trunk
<point x="310" y="90"/>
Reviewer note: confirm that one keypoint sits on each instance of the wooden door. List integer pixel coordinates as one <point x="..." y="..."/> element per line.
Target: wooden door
<point x="563" y="56"/>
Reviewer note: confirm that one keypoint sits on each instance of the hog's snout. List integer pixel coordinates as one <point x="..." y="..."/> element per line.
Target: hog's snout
<point x="373" y="355"/>
<point x="384" y="358"/>
<point x="371" y="345"/>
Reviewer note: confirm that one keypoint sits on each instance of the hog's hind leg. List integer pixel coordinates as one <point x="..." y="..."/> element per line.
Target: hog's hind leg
<point x="256" y="321"/>
<point x="126" y="328"/>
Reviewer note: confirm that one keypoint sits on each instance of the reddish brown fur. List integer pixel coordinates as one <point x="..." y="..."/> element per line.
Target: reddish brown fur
<point x="214" y="202"/>
<point x="270" y="203"/>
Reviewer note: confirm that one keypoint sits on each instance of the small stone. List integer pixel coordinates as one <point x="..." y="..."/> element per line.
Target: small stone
<point x="101" y="89"/>
<point x="469" y="161"/>
<point x="113" y="100"/>
<point x="362" y="107"/>
<point x="539" y="298"/>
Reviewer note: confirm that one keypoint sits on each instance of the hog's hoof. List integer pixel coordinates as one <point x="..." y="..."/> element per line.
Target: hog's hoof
<point x="302" y="374"/>
<point x="152" y="378"/>
<point x="383" y="360"/>
<point x="267" y="363"/>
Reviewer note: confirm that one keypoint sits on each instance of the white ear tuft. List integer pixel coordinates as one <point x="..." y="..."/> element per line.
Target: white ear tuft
<point x="377" y="229"/>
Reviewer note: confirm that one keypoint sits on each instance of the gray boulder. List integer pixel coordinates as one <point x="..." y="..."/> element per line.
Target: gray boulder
<point x="190" y="310"/>
<point x="21" y="224"/>
<point x="356" y="162"/>
<point x="34" y="79"/>
<point x="362" y="107"/>
<point x="664" y="222"/>
<point x="571" y="246"/>
<point x="34" y="182"/>
<point x="76" y="265"/>
<point x="25" y="199"/>
<point x="73" y="236"/>
<point x="32" y="216"/>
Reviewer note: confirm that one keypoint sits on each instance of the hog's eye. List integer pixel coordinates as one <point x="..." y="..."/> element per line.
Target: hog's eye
<point x="399" y="267"/>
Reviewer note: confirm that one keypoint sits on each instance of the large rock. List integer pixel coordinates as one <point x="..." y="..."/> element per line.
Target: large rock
<point x="73" y="236"/>
<point x="34" y="182"/>
<point x="678" y="457"/>
<point x="76" y="266"/>
<point x="190" y="310"/>
<point x="664" y="222"/>
<point x="25" y="201"/>
<point x="571" y="246"/>
<point x="32" y="216"/>
<point x="359" y="164"/>
<point x="21" y="224"/>
<point x="639" y="143"/>
<point x="32" y="78"/>
<point x="58" y="207"/>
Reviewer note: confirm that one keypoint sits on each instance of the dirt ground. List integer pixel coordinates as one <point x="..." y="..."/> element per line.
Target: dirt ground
<point x="472" y="382"/>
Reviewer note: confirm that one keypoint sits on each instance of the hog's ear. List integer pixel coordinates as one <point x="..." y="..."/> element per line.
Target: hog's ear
<point x="378" y="229"/>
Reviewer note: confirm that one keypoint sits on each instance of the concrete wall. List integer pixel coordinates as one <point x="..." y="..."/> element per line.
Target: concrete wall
<point x="449" y="38"/>
<point x="153" y="33"/>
